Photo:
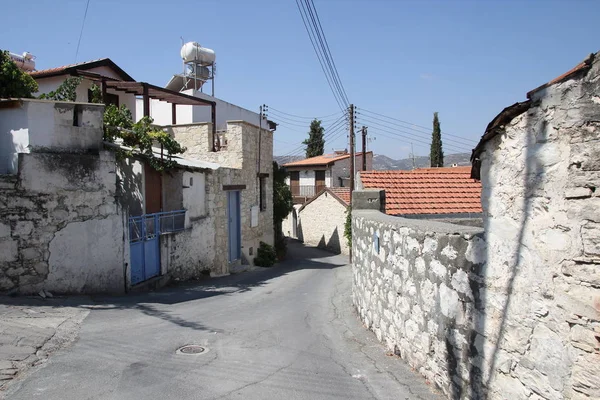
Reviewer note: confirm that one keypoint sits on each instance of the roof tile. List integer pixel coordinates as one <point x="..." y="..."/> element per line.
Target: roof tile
<point x="426" y="190"/>
<point x="322" y="160"/>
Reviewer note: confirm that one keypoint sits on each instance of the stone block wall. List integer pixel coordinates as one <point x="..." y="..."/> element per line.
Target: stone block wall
<point x="542" y="218"/>
<point x="419" y="285"/>
<point x="60" y="226"/>
<point x="321" y="223"/>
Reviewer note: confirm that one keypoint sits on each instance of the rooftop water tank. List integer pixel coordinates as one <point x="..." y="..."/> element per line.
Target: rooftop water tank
<point x="193" y="52"/>
<point x="25" y="62"/>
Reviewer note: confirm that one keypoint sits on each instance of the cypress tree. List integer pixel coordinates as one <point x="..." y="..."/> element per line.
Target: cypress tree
<point x="437" y="154"/>
<point x="315" y="144"/>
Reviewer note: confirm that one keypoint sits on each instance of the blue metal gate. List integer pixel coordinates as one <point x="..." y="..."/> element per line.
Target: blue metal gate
<point x="144" y="247"/>
<point x="144" y="241"/>
<point x="233" y="214"/>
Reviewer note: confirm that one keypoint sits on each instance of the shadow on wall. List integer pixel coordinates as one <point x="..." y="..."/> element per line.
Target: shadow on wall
<point x="130" y="187"/>
<point x="483" y="366"/>
<point x="299" y="233"/>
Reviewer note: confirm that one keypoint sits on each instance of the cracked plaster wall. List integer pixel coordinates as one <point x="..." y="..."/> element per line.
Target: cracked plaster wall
<point x="60" y="226"/>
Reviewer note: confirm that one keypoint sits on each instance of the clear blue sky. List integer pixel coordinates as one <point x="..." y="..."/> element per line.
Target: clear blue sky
<point x="406" y="59"/>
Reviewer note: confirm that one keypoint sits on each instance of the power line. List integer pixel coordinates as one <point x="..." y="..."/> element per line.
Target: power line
<point x="332" y="132"/>
<point x="300" y="116"/>
<point x="81" y="32"/>
<point x="325" y="49"/>
<point x="307" y="121"/>
<point x="413" y="139"/>
<point x="319" y="42"/>
<point x="427" y="130"/>
<point x="446" y="140"/>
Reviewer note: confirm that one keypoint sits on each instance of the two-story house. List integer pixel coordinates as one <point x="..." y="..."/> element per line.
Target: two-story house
<point x="321" y="193"/>
<point x="310" y="176"/>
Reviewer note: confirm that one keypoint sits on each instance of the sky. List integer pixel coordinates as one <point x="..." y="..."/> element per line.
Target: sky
<point x="403" y="59"/>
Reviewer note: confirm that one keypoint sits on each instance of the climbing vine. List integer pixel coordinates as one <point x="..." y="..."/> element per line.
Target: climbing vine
<point x="140" y="137"/>
<point x="67" y="91"/>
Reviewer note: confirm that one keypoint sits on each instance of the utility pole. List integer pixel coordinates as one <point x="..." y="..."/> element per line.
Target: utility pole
<point x="412" y="155"/>
<point x="352" y="155"/>
<point x="364" y="148"/>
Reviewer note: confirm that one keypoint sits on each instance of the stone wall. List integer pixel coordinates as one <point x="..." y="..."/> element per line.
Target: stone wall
<point x="239" y="166"/>
<point x="542" y="218"/>
<point x="321" y="223"/>
<point x="516" y="316"/>
<point x="419" y="286"/>
<point x="60" y="226"/>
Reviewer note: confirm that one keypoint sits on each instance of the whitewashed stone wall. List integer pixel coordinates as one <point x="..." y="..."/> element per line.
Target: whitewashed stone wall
<point x="321" y="223"/>
<point x="60" y="226"/>
<point x="542" y="219"/>
<point x="516" y="316"/>
<point x="420" y="291"/>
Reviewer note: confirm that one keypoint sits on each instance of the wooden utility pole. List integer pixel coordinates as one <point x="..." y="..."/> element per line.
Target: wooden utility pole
<point x="352" y="155"/>
<point x="364" y="148"/>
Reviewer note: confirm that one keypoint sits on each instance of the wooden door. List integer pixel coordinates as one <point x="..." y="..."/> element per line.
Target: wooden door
<point x="319" y="181"/>
<point x="153" y="190"/>
<point x="295" y="183"/>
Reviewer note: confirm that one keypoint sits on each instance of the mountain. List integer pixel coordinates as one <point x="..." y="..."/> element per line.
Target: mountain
<point x="381" y="162"/>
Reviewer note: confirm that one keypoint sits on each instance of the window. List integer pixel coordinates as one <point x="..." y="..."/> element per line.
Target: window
<point x="263" y="193"/>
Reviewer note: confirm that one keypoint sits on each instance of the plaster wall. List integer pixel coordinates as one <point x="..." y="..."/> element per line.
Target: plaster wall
<point x="61" y="228"/>
<point x="39" y="126"/>
<point x="46" y="85"/>
<point x="321" y="223"/>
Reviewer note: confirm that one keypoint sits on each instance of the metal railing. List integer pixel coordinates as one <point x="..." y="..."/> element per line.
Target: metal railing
<point x="306" y="190"/>
<point x="171" y="221"/>
<point x="150" y="225"/>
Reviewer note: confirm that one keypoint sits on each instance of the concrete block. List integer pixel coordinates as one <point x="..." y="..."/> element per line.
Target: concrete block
<point x="370" y="199"/>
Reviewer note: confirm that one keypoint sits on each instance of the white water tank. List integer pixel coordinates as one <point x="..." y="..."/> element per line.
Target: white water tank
<point x="193" y="52"/>
<point x="25" y="62"/>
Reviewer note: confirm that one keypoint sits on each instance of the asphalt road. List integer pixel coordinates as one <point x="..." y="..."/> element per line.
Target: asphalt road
<point x="288" y="332"/>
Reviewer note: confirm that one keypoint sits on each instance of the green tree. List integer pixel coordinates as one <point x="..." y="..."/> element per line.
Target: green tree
<point x="13" y="81"/>
<point x="437" y="154"/>
<point x="315" y="144"/>
<point x="348" y="227"/>
<point x="282" y="206"/>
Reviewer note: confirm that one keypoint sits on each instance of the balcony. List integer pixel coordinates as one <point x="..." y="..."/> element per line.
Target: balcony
<point x="303" y="193"/>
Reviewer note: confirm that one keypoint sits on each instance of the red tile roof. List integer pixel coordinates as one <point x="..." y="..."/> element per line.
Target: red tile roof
<point x="324" y="160"/>
<point x="343" y="193"/>
<point x="427" y="190"/>
<point x="67" y="69"/>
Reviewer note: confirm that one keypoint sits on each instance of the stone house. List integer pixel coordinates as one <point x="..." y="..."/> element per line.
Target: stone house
<point x="444" y="194"/>
<point x="320" y="221"/>
<point x="510" y="310"/>
<point x="199" y="218"/>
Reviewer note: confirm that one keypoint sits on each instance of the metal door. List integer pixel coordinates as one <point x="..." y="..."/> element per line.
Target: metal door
<point x="233" y="215"/>
<point x="144" y="247"/>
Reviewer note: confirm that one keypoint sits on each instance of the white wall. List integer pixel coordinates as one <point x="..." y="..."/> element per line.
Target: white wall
<point x="41" y="125"/>
<point x="194" y="195"/>
<point x="49" y="84"/>
<point x="322" y="224"/>
<point x="161" y="112"/>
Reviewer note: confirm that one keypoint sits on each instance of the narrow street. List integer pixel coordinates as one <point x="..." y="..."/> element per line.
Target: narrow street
<point x="288" y="332"/>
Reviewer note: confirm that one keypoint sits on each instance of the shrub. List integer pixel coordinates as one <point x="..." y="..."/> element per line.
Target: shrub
<point x="265" y="255"/>
<point x="280" y="247"/>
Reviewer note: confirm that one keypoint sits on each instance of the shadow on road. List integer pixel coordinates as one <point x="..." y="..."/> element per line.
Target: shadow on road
<point x="299" y="257"/>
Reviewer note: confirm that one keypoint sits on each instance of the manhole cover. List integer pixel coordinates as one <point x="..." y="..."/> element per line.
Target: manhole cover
<point x="192" y="349"/>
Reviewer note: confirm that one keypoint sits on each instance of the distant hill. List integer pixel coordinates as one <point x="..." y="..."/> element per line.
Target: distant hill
<point x="381" y="162"/>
